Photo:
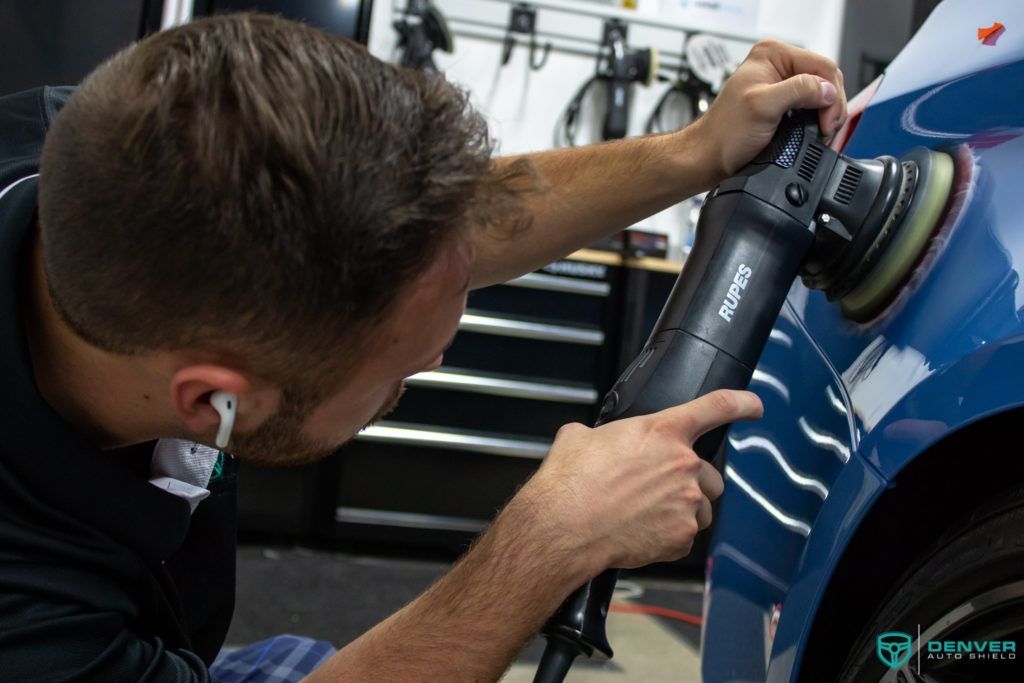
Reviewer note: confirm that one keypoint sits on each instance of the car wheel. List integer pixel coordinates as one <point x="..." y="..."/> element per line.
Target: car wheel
<point x="968" y="589"/>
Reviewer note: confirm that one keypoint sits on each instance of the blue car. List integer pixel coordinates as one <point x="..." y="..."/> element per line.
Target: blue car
<point x="872" y="527"/>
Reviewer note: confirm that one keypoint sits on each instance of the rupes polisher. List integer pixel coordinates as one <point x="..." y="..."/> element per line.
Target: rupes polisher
<point x="854" y="228"/>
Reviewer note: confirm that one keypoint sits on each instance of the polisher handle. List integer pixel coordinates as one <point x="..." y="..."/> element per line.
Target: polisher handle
<point x="713" y="328"/>
<point x="751" y="240"/>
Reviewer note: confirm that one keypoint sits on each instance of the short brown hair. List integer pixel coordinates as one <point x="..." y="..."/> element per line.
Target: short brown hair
<point x="252" y="184"/>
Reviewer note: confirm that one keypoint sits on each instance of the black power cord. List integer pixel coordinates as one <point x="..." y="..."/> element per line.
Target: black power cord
<point x="565" y="132"/>
<point x="696" y="96"/>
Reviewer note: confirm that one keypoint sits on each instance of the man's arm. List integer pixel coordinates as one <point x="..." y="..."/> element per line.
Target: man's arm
<point x="471" y="623"/>
<point x="624" y="494"/>
<point x="590" y="192"/>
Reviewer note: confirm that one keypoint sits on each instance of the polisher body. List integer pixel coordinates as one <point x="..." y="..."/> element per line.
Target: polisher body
<point x="798" y="206"/>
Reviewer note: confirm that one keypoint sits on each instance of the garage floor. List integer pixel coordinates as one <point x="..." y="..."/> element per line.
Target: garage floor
<point x="335" y="597"/>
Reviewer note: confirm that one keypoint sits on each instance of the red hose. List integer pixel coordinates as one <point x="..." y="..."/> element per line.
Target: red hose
<point x="629" y="608"/>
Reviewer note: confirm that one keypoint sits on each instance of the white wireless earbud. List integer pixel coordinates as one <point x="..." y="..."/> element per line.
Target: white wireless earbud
<point x="226" y="405"/>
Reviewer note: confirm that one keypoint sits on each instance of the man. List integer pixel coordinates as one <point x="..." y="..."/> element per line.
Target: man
<point x="249" y="207"/>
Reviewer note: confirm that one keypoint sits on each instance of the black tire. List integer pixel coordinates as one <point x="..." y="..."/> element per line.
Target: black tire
<point x="980" y="560"/>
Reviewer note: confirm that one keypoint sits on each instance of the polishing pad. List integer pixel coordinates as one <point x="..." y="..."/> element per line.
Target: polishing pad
<point x="919" y="220"/>
<point x="438" y="29"/>
<point x="652" y="67"/>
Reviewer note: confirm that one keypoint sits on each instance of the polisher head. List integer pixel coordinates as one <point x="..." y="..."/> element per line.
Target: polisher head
<point x="874" y="220"/>
<point x="924" y="195"/>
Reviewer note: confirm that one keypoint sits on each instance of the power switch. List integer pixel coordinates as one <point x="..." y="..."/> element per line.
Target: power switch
<point x="796" y="194"/>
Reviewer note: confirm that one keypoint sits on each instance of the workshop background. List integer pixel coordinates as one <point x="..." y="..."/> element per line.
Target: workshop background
<point x="343" y="543"/>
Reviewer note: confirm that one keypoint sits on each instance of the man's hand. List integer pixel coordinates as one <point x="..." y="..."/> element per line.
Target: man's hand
<point x="633" y="492"/>
<point x="624" y="494"/>
<point x="774" y="78"/>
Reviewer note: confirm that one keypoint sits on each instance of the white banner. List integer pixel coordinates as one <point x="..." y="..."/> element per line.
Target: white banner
<point x="727" y="16"/>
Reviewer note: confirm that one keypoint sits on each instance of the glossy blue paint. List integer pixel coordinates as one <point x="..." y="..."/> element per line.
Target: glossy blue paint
<point x="847" y="406"/>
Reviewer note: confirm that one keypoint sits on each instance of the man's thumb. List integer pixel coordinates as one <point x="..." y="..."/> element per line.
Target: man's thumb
<point x="802" y="91"/>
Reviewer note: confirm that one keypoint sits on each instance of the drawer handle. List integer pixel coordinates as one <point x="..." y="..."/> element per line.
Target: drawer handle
<point x="409" y="435"/>
<point x="497" y="386"/>
<point x="485" y="324"/>
<point x="555" y="283"/>
<point x="407" y="520"/>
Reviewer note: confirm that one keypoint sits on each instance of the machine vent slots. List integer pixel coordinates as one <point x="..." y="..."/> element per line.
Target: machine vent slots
<point x="785" y="152"/>
<point x="809" y="164"/>
<point x="848" y="185"/>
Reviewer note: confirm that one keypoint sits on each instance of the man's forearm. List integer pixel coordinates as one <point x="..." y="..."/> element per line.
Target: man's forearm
<point x="594" y="191"/>
<point x="590" y="192"/>
<point x="470" y="625"/>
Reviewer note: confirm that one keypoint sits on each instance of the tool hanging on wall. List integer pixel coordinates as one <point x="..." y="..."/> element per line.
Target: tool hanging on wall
<point x="422" y="30"/>
<point x="696" y="97"/>
<point x="709" y="58"/>
<point x="626" y="66"/>
<point x="523" y="19"/>
<point x="619" y="67"/>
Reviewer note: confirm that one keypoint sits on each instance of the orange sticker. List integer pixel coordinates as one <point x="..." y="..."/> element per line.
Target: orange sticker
<point x="990" y="35"/>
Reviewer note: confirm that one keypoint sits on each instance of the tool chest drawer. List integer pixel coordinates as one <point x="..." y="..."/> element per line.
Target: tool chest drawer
<point x="531" y="355"/>
<point x="553" y="358"/>
<point x="430" y="479"/>
<point x="556" y="298"/>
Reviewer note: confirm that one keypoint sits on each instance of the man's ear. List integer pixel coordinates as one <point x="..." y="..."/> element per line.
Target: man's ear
<point x="192" y="386"/>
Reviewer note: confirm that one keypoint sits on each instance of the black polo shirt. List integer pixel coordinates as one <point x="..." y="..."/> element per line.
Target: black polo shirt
<point x="103" y="576"/>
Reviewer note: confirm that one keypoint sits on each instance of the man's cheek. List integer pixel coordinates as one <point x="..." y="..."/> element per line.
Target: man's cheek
<point x="338" y="425"/>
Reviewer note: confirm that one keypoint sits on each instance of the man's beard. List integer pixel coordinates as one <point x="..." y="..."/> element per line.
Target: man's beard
<point x="279" y="441"/>
<point x="388" y="405"/>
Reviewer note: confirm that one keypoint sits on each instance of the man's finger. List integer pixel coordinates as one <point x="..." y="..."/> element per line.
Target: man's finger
<point x="704" y="514"/>
<point x="710" y="481"/>
<point x="803" y="91"/>
<point x="837" y="114"/>
<point x="712" y="410"/>
<point x="789" y="61"/>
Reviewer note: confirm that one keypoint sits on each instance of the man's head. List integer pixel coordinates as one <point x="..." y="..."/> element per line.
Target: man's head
<point x="264" y="202"/>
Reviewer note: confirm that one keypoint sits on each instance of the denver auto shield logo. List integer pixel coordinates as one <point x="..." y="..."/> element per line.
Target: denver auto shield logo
<point x="893" y="648"/>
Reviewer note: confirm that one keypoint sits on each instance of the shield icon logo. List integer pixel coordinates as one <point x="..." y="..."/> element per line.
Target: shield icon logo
<point x="893" y="648"/>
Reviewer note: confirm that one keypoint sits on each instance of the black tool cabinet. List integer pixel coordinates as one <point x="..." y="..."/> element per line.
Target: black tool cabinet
<point x="531" y="355"/>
